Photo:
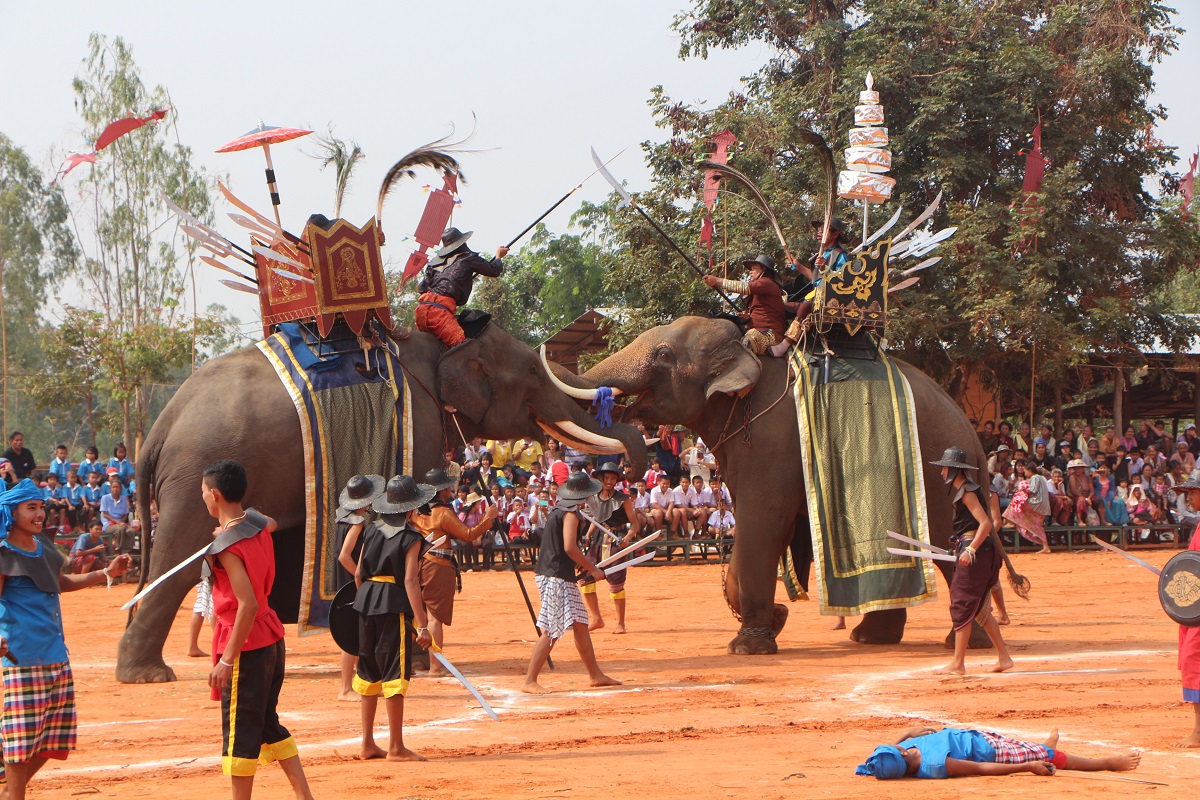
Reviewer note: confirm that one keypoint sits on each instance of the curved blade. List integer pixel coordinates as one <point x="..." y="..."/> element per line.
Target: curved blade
<point x="904" y="284"/>
<point x="212" y="262"/>
<point x="916" y="223"/>
<point x="271" y="255"/>
<point x="252" y="225"/>
<point x="612" y="181"/>
<point x="929" y="262"/>
<point x="630" y="563"/>
<point x="241" y="287"/>
<point x="436" y="652"/>
<point x="887" y="226"/>
<point x="259" y="218"/>
<point x="927" y="243"/>
<point x="635" y="546"/>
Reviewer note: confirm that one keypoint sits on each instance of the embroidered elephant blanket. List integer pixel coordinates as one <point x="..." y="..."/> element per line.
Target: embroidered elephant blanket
<point x="355" y="418"/>
<point x="863" y="477"/>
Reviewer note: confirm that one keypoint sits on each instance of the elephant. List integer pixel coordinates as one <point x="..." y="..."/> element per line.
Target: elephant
<point x="235" y="407"/>
<point x="696" y="372"/>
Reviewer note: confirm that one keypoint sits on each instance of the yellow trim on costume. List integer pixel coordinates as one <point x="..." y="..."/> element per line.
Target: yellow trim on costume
<point x="617" y="595"/>
<point x="239" y="767"/>
<point x="366" y="688"/>
<point x="396" y="687"/>
<point x="382" y="579"/>
<point x="278" y="751"/>
<point x="587" y="588"/>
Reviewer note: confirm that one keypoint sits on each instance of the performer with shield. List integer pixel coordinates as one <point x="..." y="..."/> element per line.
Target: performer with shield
<point x="446" y="285"/>
<point x="354" y="502"/>
<point x="562" y="606"/>
<point x="388" y="601"/>
<point x="978" y="567"/>
<point x="1189" y="635"/>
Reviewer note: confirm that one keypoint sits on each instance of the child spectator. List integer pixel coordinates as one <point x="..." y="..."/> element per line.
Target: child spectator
<point x="693" y="516"/>
<point x="122" y="464"/>
<point x="721" y="523"/>
<point x="38" y="721"/>
<point x="91" y="463"/>
<point x="93" y="493"/>
<point x="56" y="502"/>
<point x="73" y="492"/>
<point x="518" y="523"/>
<point x="247" y="636"/>
<point x="663" y="512"/>
<point x="61" y="464"/>
<point x="654" y="473"/>
<point x="88" y="552"/>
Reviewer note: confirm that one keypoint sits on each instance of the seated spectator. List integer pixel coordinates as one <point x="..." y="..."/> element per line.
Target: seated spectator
<point x="1092" y="457"/>
<point x="556" y="467"/>
<point x="73" y="492"/>
<point x="1142" y="510"/>
<point x="526" y="453"/>
<point x="654" y="473"/>
<point x="1121" y="467"/>
<point x="93" y="493"/>
<point x="487" y="475"/>
<point x="1061" y="506"/>
<point x="518" y="522"/>
<point x="1129" y="440"/>
<point x="1155" y="458"/>
<point x="114" y="515"/>
<point x="1191" y="439"/>
<point x="1001" y="461"/>
<point x="1042" y="457"/>
<point x="1083" y="495"/>
<point x="61" y="464"/>
<point x="56" y="502"/>
<point x="1046" y="437"/>
<point x="1068" y="436"/>
<point x="663" y="512"/>
<point x="1146" y="479"/>
<point x="1024" y="439"/>
<point x="122" y="464"/>
<point x="1108" y="445"/>
<point x="1115" y="512"/>
<point x="1064" y="456"/>
<point x="721" y="523"/>
<point x="705" y="498"/>
<point x="1136" y="463"/>
<point x="1000" y="489"/>
<point x="987" y="436"/>
<point x="501" y="451"/>
<point x="719" y="490"/>
<point x="19" y="456"/>
<point x="641" y="503"/>
<point x="1184" y="456"/>
<point x="91" y="463"/>
<point x="693" y="516"/>
<point x="1005" y="437"/>
<point x="88" y="552"/>
<point x="1146" y="435"/>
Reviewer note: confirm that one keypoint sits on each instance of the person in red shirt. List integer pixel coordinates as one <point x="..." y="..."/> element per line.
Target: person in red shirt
<point x="248" y="650"/>
<point x="765" y="315"/>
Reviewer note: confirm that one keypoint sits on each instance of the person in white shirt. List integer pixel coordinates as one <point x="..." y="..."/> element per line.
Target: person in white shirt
<point x="693" y="514"/>
<point x="641" y="503"/>
<point x="663" y="510"/>
<point x="721" y="523"/>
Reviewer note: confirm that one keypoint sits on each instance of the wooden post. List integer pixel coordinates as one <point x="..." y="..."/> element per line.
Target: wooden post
<point x="1058" y="415"/>
<point x="1119" y="402"/>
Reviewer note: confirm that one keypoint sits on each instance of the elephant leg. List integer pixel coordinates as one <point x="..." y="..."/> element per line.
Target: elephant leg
<point x="139" y="653"/>
<point x="753" y="597"/>
<point x="881" y="627"/>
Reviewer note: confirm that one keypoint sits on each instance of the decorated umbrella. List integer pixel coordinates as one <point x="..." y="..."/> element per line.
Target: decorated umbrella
<point x="264" y="136"/>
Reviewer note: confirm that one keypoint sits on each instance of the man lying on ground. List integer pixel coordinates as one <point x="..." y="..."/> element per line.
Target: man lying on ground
<point x="954" y="753"/>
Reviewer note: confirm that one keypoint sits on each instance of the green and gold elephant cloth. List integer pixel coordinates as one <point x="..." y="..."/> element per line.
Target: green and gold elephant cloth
<point x="864" y="477"/>
<point x="353" y="423"/>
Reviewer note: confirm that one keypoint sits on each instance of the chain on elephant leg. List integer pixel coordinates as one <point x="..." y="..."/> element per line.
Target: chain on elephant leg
<point x="725" y="593"/>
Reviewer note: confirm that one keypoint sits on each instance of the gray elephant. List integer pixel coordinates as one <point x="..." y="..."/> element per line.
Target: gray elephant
<point x="693" y="372"/>
<point x="236" y="407"/>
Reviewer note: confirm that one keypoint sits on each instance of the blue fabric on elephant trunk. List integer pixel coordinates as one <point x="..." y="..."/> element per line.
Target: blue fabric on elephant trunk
<point x="863" y="477"/>
<point x="353" y="423"/>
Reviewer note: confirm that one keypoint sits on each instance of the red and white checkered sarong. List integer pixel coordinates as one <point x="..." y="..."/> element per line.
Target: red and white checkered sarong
<point x="562" y="605"/>
<point x="1013" y="751"/>
<point x="39" y="712"/>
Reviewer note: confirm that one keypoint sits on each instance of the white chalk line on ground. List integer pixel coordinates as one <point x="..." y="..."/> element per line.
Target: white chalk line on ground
<point x="859" y="696"/>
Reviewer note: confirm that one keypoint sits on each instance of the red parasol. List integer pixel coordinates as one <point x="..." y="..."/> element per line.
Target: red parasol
<point x="264" y="136"/>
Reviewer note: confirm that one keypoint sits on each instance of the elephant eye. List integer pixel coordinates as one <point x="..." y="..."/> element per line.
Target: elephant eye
<point x="663" y="354"/>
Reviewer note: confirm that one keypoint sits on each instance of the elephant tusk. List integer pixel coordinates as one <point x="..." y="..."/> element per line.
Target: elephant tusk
<point x="582" y="438"/>
<point x="571" y="391"/>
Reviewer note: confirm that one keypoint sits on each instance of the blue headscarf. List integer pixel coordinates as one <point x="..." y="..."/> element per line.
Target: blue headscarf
<point x="885" y="763"/>
<point x="22" y="492"/>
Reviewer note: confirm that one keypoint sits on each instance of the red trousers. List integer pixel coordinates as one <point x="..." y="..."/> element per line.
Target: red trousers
<point x="439" y="321"/>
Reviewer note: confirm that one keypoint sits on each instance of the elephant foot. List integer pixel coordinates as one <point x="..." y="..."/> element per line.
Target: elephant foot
<point x="153" y="672"/>
<point x="979" y="639"/>
<point x="880" y="627"/>
<point x="753" y="642"/>
<point x="779" y="618"/>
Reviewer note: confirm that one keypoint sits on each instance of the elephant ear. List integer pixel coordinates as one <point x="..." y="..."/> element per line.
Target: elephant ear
<point x="463" y="381"/>
<point x="735" y="371"/>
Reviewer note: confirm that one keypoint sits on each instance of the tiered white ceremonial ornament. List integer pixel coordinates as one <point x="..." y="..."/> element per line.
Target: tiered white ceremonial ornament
<point x="867" y="157"/>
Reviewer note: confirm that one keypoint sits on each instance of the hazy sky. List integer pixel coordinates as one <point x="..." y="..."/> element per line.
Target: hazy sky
<point x="545" y="81"/>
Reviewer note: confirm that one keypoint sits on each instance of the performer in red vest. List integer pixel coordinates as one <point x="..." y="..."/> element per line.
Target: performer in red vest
<point x="446" y="285"/>
<point x="764" y="315"/>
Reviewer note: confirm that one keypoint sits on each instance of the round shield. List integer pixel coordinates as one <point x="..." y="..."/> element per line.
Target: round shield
<point x="1179" y="588"/>
<point x="343" y="619"/>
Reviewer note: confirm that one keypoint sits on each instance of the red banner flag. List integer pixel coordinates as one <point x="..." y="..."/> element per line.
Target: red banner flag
<point x="1035" y="165"/>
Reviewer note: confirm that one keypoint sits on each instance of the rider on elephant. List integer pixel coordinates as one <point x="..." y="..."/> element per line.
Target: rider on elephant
<point x="765" y="315"/>
<point x="803" y="290"/>
<point x="446" y="285"/>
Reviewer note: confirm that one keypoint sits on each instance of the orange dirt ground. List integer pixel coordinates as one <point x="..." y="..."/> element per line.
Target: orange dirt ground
<point x="1096" y="657"/>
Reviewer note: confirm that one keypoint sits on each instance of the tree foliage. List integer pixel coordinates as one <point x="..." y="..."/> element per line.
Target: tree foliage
<point x="1079" y="268"/>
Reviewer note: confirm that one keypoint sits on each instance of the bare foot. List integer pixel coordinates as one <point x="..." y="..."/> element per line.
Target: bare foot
<point x="1044" y="551"/>
<point x="196" y="652"/>
<point x="1192" y="741"/>
<point x="437" y="672"/>
<point x="1125" y="763"/>
<point x="840" y="626"/>
<point x="1003" y="665"/>
<point x="349" y="697"/>
<point x="374" y="751"/>
<point x="951" y="669"/>
<point x="597" y="625"/>
<point x="533" y="687"/>
<point x="1003" y="620"/>
<point x="620" y="628"/>
<point x="404" y="754"/>
<point x="604" y="680"/>
<point x="1052" y="739"/>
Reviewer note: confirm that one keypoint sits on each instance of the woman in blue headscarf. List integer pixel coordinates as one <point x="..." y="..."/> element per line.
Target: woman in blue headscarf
<point x="955" y="753"/>
<point x="38" y="721"/>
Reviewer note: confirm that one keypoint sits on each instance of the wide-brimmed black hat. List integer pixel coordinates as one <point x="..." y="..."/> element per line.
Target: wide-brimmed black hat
<point x="361" y="491"/>
<point x="579" y="487"/>
<point x="403" y="494"/>
<point x="836" y="224"/>
<point x="608" y="466"/>
<point x="953" y="457"/>
<point x="1190" y="483"/>
<point x="453" y="239"/>
<point x="766" y="262"/>
<point x="439" y="479"/>
<point x="349" y="515"/>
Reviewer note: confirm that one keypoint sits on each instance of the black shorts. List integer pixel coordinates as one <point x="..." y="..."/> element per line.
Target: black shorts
<point x="250" y="724"/>
<point x="384" y="655"/>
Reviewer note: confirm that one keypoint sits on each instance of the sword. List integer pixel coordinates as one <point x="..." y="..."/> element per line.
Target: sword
<point x="598" y="524"/>
<point x="896" y="551"/>
<point x="924" y="545"/>
<point x="241" y="287"/>
<point x="436" y="652"/>
<point x="630" y="563"/>
<point x="195" y="223"/>
<point x="916" y="223"/>
<point x="635" y="546"/>
<point x="1130" y="556"/>
<point x="257" y="217"/>
<point x="271" y="255"/>
<point x="619" y="189"/>
<point x="212" y="262"/>
<point x="1064" y="774"/>
<point x="171" y="571"/>
<point x="291" y="276"/>
<point x="886" y="227"/>
<point x="929" y="262"/>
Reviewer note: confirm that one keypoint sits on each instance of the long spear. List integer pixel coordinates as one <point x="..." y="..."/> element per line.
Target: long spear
<point x="619" y="189"/>
<point x="562" y="200"/>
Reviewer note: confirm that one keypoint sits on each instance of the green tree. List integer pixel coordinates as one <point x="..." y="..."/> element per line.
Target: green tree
<point x="36" y="251"/>
<point x="137" y="261"/>
<point x="963" y="83"/>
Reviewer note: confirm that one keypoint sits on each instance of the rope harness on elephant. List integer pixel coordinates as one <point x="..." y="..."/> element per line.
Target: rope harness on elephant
<point x="748" y="401"/>
<point x="389" y="345"/>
